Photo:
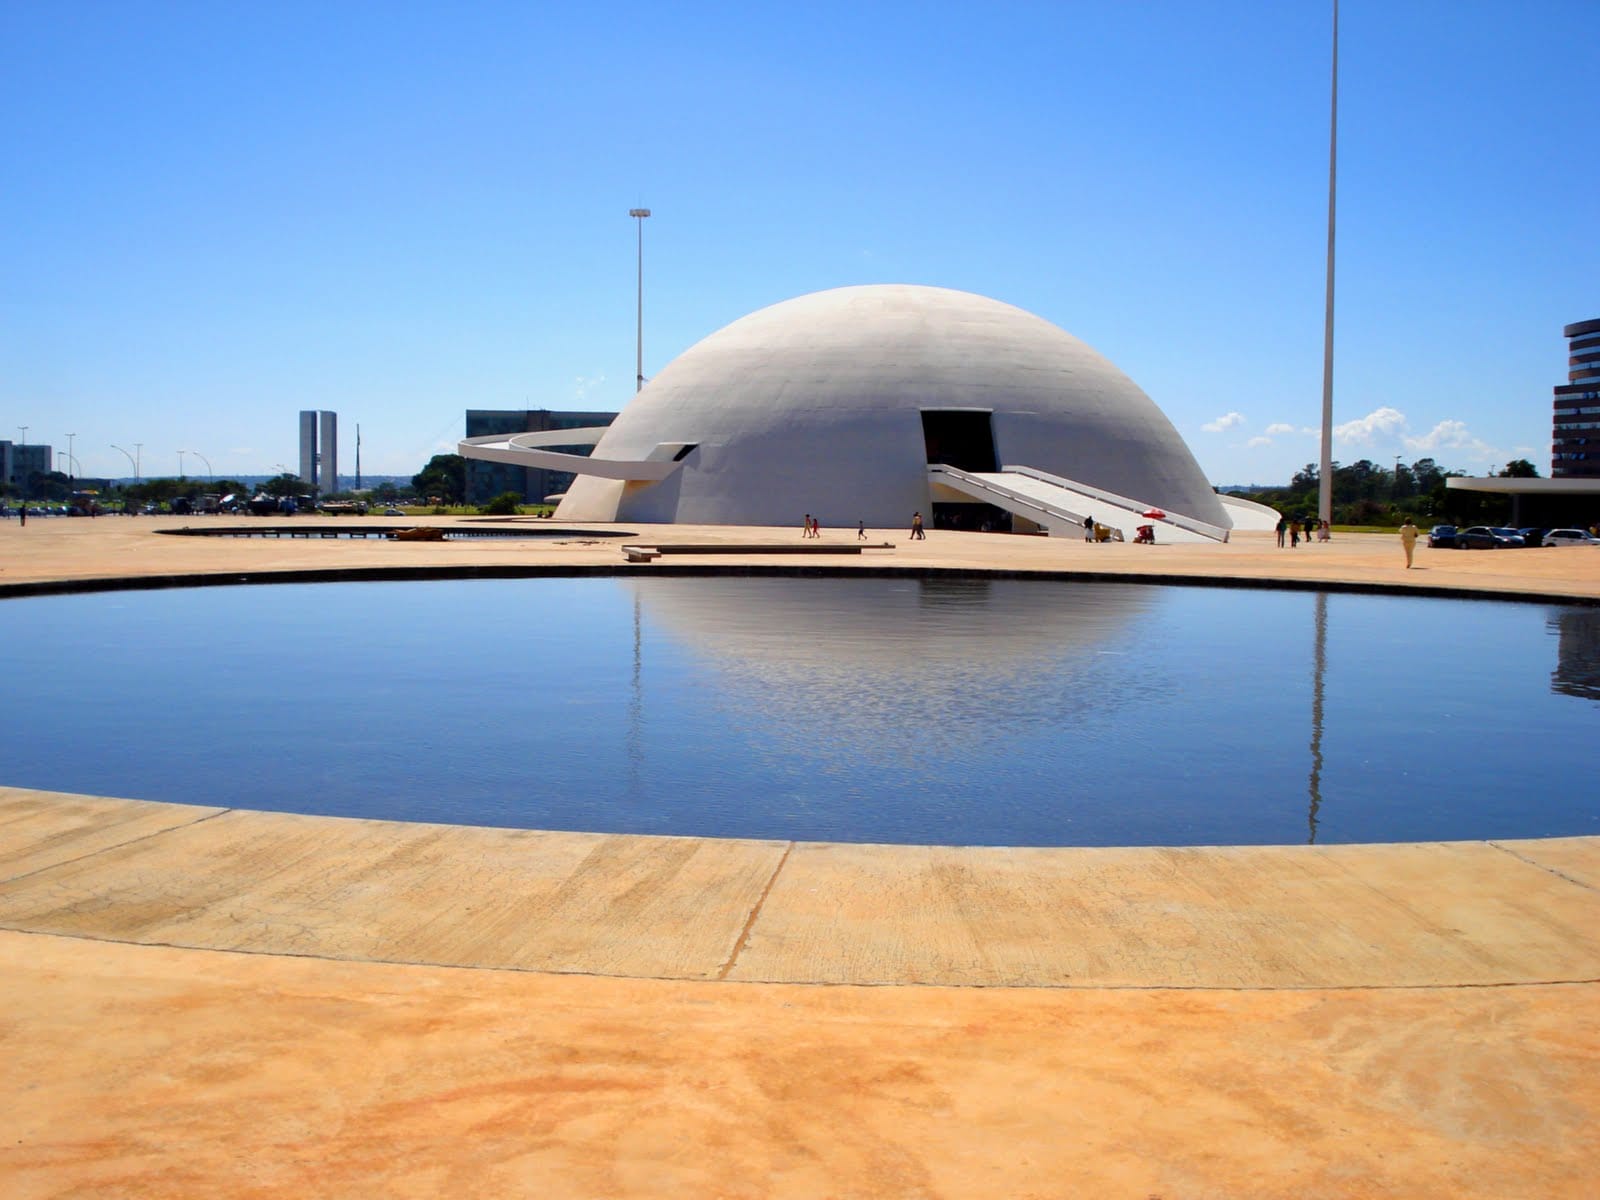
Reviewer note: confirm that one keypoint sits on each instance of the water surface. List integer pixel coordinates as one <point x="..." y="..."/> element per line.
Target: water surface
<point x="1003" y="712"/>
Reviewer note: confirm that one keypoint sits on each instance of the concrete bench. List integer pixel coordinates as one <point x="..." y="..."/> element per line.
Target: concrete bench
<point x="644" y="554"/>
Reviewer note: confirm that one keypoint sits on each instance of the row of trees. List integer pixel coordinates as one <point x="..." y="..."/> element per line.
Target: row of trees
<point x="444" y="479"/>
<point x="1365" y="493"/>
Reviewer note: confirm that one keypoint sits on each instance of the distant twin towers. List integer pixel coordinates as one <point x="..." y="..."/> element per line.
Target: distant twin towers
<point x="319" y="450"/>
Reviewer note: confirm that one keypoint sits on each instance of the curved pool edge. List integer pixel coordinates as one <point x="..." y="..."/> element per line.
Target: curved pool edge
<point x="1413" y="915"/>
<point x="288" y="575"/>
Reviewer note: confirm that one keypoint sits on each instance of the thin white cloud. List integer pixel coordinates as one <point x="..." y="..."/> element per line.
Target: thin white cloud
<point x="1278" y="427"/>
<point x="1450" y="435"/>
<point x="1259" y="441"/>
<point x="583" y="384"/>
<point x="1224" y="423"/>
<point x="1381" y="422"/>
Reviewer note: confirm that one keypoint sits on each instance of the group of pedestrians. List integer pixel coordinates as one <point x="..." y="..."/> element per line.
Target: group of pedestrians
<point x="1294" y="530"/>
<point x="812" y="528"/>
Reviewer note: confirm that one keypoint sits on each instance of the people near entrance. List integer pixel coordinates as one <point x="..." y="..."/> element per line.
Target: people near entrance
<point x="1088" y="529"/>
<point x="1408" y="540"/>
<point x="917" y="533"/>
<point x="1294" y="535"/>
<point x="1283" y="527"/>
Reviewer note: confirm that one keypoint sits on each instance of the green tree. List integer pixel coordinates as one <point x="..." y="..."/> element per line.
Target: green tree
<point x="286" y="485"/>
<point x="445" y="476"/>
<point x="1404" y="483"/>
<point x="504" y="505"/>
<point x="49" y="485"/>
<point x="1427" y="475"/>
<point x="1306" y="479"/>
<point x="1519" y="468"/>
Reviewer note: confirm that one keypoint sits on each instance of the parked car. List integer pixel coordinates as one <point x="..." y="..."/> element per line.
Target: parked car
<point x="1570" y="537"/>
<point x="1482" y="537"/>
<point x="1442" y="537"/>
<point x="1513" y="537"/>
<point x="1533" y="537"/>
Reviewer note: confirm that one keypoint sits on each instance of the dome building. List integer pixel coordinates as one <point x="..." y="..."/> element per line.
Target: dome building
<point x="871" y="403"/>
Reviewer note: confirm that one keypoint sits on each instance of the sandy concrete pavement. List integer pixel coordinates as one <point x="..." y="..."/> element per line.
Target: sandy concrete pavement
<point x="211" y="1002"/>
<point x="112" y="547"/>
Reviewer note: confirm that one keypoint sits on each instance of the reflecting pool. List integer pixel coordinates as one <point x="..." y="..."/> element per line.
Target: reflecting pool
<point x="958" y="711"/>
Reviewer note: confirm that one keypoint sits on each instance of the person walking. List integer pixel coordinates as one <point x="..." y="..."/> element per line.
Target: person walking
<point x="861" y="530"/>
<point x="805" y="527"/>
<point x="1408" y="540"/>
<point x="1283" y="525"/>
<point x="1088" y="529"/>
<point x="1294" y="535"/>
<point x="916" y="528"/>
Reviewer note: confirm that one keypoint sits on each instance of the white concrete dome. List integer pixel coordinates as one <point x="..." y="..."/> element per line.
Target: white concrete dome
<point x="817" y="405"/>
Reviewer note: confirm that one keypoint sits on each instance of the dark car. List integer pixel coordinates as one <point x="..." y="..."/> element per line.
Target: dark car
<point x="1533" y="537"/>
<point x="1482" y="537"/>
<point x="1442" y="537"/>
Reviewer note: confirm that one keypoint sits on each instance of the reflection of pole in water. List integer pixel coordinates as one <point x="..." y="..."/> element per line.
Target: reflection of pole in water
<point x="1319" y="664"/>
<point x="635" y="709"/>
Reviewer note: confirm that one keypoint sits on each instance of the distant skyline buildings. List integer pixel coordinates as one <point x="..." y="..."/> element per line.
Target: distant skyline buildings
<point x="319" y="449"/>
<point x="1575" y="433"/>
<point x="20" y="461"/>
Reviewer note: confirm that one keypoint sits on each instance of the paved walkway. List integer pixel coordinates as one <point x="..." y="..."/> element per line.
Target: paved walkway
<point x="211" y="1001"/>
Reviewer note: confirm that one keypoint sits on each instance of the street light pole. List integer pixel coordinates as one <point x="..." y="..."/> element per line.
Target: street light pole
<point x="210" y="474"/>
<point x="132" y="461"/>
<point x="1325" y="471"/>
<point x="639" y="214"/>
<point x="181" y="453"/>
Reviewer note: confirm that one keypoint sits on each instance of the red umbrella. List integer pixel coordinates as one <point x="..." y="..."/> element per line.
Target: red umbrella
<point x="1155" y="514"/>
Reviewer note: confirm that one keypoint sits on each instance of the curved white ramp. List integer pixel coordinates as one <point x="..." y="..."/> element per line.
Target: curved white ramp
<point x="1060" y="506"/>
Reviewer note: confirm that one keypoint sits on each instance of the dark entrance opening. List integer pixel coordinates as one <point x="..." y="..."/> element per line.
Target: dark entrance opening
<point x="959" y="438"/>
<point x="975" y="518"/>
<point x="965" y="440"/>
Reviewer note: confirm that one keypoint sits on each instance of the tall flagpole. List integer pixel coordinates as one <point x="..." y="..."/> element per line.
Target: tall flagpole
<point x="1325" y="474"/>
<point x="639" y="214"/>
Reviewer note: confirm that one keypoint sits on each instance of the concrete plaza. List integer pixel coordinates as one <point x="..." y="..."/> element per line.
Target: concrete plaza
<point x="209" y="1001"/>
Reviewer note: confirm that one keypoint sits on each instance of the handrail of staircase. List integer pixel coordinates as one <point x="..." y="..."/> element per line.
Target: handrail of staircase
<point x="1012" y="497"/>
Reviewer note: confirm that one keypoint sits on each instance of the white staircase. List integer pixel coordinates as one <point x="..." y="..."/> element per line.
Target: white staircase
<point x="1060" y="506"/>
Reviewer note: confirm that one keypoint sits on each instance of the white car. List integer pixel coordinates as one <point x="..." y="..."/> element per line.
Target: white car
<point x="1570" y="537"/>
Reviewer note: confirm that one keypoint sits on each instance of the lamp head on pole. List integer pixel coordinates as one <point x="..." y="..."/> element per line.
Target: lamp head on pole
<point x="638" y="212"/>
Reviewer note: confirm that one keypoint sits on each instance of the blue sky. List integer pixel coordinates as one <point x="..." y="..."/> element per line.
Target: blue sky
<point x="217" y="214"/>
